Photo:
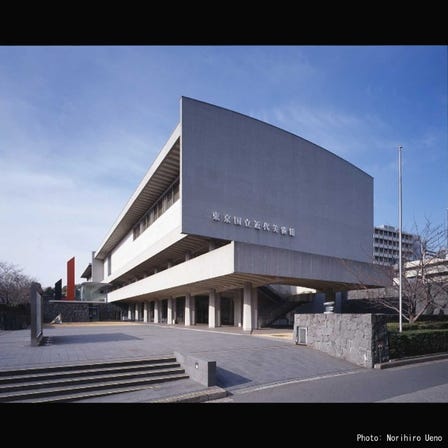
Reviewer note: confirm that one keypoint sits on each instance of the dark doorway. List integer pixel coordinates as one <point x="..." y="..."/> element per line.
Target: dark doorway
<point x="141" y="312"/>
<point x="201" y="309"/>
<point x="164" y="311"/>
<point x="226" y="311"/>
<point x="180" y="310"/>
<point x="151" y="311"/>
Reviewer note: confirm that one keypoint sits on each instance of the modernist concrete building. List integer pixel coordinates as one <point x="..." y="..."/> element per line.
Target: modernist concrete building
<point x="230" y="206"/>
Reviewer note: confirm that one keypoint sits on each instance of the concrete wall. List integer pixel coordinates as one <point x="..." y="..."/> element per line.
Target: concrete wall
<point x="216" y="263"/>
<point x="36" y="308"/>
<point x="129" y="249"/>
<point x="235" y="165"/>
<point x="198" y="369"/>
<point x="80" y="311"/>
<point x="358" y="338"/>
<point x="313" y="269"/>
<point x="97" y="269"/>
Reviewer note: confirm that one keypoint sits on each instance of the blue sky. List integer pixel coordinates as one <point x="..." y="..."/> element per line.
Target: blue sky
<point x="80" y="126"/>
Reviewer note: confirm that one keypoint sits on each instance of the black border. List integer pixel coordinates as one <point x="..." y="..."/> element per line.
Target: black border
<point x="209" y="423"/>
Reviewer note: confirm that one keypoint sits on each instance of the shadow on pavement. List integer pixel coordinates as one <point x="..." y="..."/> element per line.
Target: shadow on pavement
<point x="226" y="378"/>
<point x="90" y="338"/>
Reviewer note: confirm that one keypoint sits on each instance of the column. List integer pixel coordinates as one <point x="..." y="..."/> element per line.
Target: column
<point x="169" y="314"/>
<point x="254" y="308"/>
<point x="218" y="309"/>
<point x="247" y="307"/>
<point x="137" y="314"/>
<point x="156" y="312"/>
<point x="193" y="310"/>
<point x="237" y="309"/>
<point x="169" y="264"/>
<point x="129" y="312"/>
<point x="211" y="245"/>
<point x="145" y="312"/>
<point x="187" y="309"/>
<point x="212" y="309"/>
<point x="187" y="255"/>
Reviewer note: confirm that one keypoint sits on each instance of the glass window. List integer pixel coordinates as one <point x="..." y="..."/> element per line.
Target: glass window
<point x="176" y="191"/>
<point x="160" y="207"/>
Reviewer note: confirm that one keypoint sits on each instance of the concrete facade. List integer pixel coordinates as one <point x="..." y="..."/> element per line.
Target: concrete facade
<point x="229" y="205"/>
<point x="267" y="174"/>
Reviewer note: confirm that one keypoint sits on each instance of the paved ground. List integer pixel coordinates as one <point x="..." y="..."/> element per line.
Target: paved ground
<point x="242" y="360"/>
<point x="263" y="367"/>
<point x="426" y="382"/>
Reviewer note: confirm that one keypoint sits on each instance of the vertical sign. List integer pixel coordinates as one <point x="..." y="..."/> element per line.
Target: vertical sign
<point x="71" y="279"/>
<point x="36" y="314"/>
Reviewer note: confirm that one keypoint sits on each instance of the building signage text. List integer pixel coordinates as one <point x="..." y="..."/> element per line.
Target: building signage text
<point x="256" y="224"/>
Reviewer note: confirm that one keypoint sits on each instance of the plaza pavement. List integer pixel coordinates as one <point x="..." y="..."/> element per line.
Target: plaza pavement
<point x="243" y="360"/>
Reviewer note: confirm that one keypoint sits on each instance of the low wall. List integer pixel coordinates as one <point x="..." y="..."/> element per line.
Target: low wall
<point x="358" y="338"/>
<point x="15" y="317"/>
<point x="200" y="370"/>
<point x="77" y="311"/>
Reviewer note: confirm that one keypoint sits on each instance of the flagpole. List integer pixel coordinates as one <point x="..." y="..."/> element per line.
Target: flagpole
<point x="400" y="225"/>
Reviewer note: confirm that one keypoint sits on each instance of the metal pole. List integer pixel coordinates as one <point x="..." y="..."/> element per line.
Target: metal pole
<point x="446" y="252"/>
<point x="400" y="224"/>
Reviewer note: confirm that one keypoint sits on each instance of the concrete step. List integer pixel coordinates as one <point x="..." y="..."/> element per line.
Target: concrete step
<point x="90" y="365"/>
<point x="63" y="393"/>
<point x="44" y="383"/>
<point x="83" y="395"/>
<point x="24" y="377"/>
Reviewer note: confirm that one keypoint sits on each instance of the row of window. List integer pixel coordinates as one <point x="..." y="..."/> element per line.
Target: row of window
<point x="391" y="251"/>
<point x="393" y="243"/>
<point x="388" y="259"/>
<point x="384" y="260"/>
<point x="158" y="209"/>
<point x="386" y="233"/>
<point x="385" y="251"/>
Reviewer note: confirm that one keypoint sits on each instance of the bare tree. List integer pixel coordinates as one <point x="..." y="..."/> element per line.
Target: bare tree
<point x="424" y="282"/>
<point x="14" y="285"/>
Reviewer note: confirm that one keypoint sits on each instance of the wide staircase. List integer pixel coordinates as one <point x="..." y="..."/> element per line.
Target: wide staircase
<point x="65" y="383"/>
<point x="275" y="304"/>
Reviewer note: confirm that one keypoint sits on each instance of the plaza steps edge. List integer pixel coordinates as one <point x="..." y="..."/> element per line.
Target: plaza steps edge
<point x="86" y="382"/>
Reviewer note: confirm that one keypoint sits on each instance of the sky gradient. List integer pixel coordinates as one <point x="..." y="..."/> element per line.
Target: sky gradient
<point x="80" y="126"/>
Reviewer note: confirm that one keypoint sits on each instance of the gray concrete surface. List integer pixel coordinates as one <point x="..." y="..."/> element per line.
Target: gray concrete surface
<point x="199" y="370"/>
<point x="242" y="360"/>
<point x="435" y="394"/>
<point x="413" y="383"/>
<point x="247" y="150"/>
<point x="262" y="367"/>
